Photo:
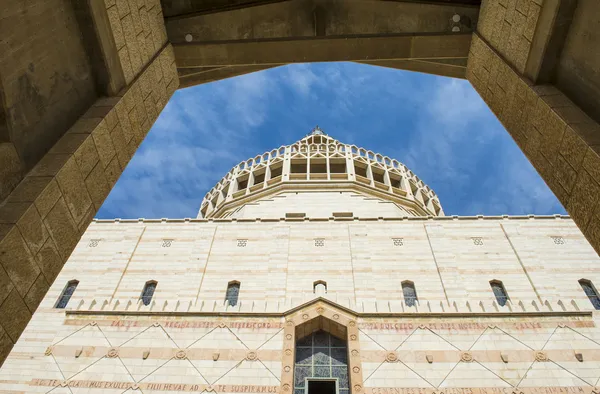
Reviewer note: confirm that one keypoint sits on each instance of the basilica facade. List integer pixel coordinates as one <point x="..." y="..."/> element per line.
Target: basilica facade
<point x="319" y="268"/>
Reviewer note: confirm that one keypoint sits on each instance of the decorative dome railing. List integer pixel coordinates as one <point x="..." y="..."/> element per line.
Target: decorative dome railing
<point x="318" y="158"/>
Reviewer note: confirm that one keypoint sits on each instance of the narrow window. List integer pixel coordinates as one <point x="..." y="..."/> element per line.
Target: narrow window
<point x="499" y="292"/>
<point x="66" y="294"/>
<point x="591" y="292"/>
<point x="410" y="293"/>
<point x="233" y="291"/>
<point x="148" y="292"/>
<point x="320" y="287"/>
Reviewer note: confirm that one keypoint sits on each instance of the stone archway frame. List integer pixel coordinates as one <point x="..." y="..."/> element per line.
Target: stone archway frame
<point x="338" y="320"/>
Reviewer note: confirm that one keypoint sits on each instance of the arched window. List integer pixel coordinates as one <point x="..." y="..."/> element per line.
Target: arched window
<point x="320" y="287"/>
<point x="65" y="296"/>
<point x="499" y="292"/>
<point x="410" y="293"/>
<point x="233" y="292"/>
<point x="591" y="292"/>
<point x="148" y="292"/>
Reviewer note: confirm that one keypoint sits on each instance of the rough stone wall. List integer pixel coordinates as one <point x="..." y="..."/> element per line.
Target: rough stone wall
<point x="560" y="140"/>
<point x="42" y="220"/>
<point x="44" y="70"/>
<point x="139" y="32"/>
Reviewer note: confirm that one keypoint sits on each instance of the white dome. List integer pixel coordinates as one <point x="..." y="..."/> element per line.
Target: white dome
<point x="319" y="176"/>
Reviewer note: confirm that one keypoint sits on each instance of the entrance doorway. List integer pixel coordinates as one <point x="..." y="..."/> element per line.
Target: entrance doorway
<point x="320" y="386"/>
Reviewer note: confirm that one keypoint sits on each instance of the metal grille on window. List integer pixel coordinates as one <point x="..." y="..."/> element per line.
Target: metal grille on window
<point x="319" y="242"/>
<point x="321" y="355"/>
<point x="558" y="240"/>
<point x="233" y="292"/>
<point x="66" y="294"/>
<point x="93" y="243"/>
<point x="241" y="243"/>
<point x="410" y="294"/>
<point x="166" y="243"/>
<point x="591" y="292"/>
<point x="148" y="292"/>
<point x="477" y="241"/>
<point x="499" y="292"/>
<point x="398" y="241"/>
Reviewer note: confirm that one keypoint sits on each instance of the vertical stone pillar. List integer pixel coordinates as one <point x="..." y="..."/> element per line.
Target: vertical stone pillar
<point x="43" y="218"/>
<point x="558" y="138"/>
<point x="354" y="364"/>
<point x="287" y="359"/>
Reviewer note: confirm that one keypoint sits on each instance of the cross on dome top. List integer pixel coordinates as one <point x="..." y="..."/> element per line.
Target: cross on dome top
<point x="317" y="131"/>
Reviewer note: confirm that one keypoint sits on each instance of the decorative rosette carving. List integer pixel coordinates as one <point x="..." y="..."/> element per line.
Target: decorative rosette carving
<point x="466" y="357"/>
<point x="357" y="388"/>
<point x="251" y="356"/>
<point x="180" y="355"/>
<point x="352" y="323"/>
<point x="288" y="352"/>
<point x="391" y="357"/>
<point x="356" y="369"/>
<point x="336" y="317"/>
<point x="355" y="353"/>
<point x="305" y="316"/>
<point x="48" y="350"/>
<point x="288" y="337"/>
<point x="541" y="356"/>
<point x="320" y="310"/>
<point x="286" y="387"/>
<point x="287" y="368"/>
<point x="353" y="337"/>
<point x="289" y="323"/>
<point x="112" y="353"/>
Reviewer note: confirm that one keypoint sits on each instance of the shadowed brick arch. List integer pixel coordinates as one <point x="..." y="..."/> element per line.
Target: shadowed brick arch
<point x="81" y="91"/>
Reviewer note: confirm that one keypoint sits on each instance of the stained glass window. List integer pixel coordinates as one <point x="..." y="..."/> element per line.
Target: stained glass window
<point x="233" y="291"/>
<point x="321" y="355"/>
<point x="591" y="292"/>
<point x="499" y="292"/>
<point x="148" y="292"/>
<point x="66" y="294"/>
<point x="410" y="294"/>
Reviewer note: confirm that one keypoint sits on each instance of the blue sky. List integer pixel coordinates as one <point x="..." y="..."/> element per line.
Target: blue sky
<point x="438" y="127"/>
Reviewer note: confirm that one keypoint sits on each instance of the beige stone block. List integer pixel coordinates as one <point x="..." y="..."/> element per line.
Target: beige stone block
<point x="85" y="125"/>
<point x="73" y="189"/>
<point x="36" y="293"/>
<point x="126" y="64"/>
<point x="532" y="19"/>
<point x="522" y="6"/>
<point x="111" y="118"/>
<point x="32" y="229"/>
<point x="97" y="186"/>
<point x="14" y="315"/>
<point x="564" y="173"/>
<point x="68" y="144"/>
<point x="104" y="145"/>
<point x="573" y="148"/>
<point x="49" y="260"/>
<point x="17" y="261"/>
<point x="11" y="212"/>
<point x="123" y="7"/>
<point x="135" y="15"/>
<point x="29" y="189"/>
<point x="87" y="156"/>
<point x="120" y="146"/>
<point x="553" y="135"/>
<point x="113" y="172"/>
<point x="5" y="284"/>
<point x="50" y="165"/>
<point x="62" y="228"/>
<point x="86" y="220"/>
<point x="10" y="169"/>
<point x="583" y="198"/>
<point x="47" y="198"/>
<point x="6" y="345"/>
<point x="591" y="162"/>
<point x="589" y="132"/>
